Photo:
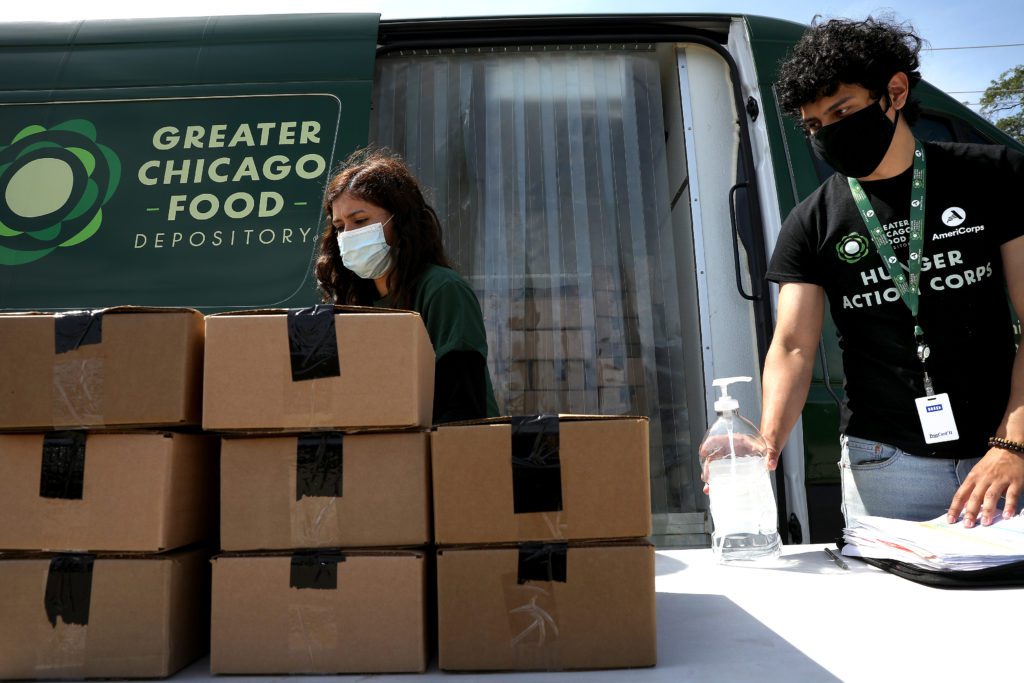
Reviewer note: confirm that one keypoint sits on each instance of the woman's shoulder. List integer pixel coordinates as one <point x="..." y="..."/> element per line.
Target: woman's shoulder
<point x="438" y="278"/>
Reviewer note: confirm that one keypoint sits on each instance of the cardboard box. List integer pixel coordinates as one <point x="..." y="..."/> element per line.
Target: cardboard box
<point x="519" y="375"/>
<point x="282" y="614"/>
<point x="538" y="313"/>
<point x="115" y="367"/>
<point x="534" y="402"/>
<point x="575" y="375"/>
<point x="566" y="478"/>
<point x="552" y="345"/>
<point x="118" y="617"/>
<point x="375" y="370"/>
<point x="546" y="608"/>
<point x="620" y="372"/>
<point x="572" y="375"/>
<point x="615" y="400"/>
<point x="566" y="375"/>
<point x="143" y="491"/>
<point x="325" y="490"/>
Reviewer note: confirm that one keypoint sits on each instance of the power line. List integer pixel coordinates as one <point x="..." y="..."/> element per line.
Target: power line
<point x="971" y="92"/>
<point x="971" y="47"/>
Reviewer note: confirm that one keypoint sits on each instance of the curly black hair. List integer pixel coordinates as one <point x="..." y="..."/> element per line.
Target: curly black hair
<point x="867" y="53"/>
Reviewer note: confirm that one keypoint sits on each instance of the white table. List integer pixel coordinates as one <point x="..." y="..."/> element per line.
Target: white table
<point x="800" y="620"/>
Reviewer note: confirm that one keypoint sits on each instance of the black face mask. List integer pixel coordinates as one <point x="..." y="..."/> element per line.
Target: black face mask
<point x="856" y="145"/>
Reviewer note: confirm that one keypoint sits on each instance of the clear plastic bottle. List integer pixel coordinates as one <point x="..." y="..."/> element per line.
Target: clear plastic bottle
<point x="743" y="508"/>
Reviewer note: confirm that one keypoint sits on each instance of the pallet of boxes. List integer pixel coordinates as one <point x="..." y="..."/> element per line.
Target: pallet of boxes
<point x="107" y="494"/>
<point x="542" y="562"/>
<point x="325" y="490"/>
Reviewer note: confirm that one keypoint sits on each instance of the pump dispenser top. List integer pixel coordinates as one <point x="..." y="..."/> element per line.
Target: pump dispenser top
<point x="725" y="402"/>
<point x="742" y="501"/>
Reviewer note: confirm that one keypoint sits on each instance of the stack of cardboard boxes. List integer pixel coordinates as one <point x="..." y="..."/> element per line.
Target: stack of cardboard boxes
<point x="102" y="570"/>
<point x="570" y="347"/>
<point x="325" y="490"/>
<point x="322" y="420"/>
<point x="542" y="564"/>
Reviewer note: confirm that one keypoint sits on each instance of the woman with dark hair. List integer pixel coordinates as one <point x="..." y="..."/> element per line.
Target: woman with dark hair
<point x="381" y="246"/>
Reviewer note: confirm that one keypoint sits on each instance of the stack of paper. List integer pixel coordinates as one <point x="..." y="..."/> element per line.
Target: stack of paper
<point x="937" y="544"/>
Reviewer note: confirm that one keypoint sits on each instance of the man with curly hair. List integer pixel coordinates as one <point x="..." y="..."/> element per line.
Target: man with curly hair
<point x="914" y="245"/>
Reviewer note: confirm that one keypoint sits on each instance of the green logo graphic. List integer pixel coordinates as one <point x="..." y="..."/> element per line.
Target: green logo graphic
<point x="852" y="248"/>
<point x="53" y="186"/>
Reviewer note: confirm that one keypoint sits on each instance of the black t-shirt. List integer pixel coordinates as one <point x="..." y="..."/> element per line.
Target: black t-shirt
<point x="973" y="192"/>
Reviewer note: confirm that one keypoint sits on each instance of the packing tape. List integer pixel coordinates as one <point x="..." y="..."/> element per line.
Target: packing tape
<point x="77" y="391"/>
<point x="313" y="623"/>
<point x="69" y="589"/>
<point x="307" y="404"/>
<point x="315" y="569"/>
<point x="62" y="473"/>
<point x="319" y="465"/>
<point x="62" y="652"/>
<point x="313" y="637"/>
<point x="315" y="522"/>
<point x="536" y="465"/>
<point x="319" y="483"/>
<point x="76" y="328"/>
<point x="312" y="343"/>
<point x="534" y="624"/>
<point x="542" y="562"/>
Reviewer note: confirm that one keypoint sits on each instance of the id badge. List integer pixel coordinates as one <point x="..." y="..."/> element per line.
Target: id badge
<point x="936" y="416"/>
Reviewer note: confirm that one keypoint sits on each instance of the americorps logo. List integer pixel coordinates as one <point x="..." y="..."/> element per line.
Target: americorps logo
<point x="54" y="183"/>
<point x="954" y="216"/>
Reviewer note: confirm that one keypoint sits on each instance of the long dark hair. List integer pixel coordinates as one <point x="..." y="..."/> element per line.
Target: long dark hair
<point x="381" y="178"/>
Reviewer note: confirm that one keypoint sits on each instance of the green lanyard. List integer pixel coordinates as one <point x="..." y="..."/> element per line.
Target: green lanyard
<point x="909" y="284"/>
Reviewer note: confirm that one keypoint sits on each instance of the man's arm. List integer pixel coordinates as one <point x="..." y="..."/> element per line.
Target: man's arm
<point x="790" y="360"/>
<point x="1001" y="472"/>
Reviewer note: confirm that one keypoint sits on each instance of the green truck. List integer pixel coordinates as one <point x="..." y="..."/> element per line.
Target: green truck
<point x="611" y="186"/>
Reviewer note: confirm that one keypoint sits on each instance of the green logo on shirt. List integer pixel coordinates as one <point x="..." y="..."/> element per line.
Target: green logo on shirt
<point x="53" y="185"/>
<point x="852" y="248"/>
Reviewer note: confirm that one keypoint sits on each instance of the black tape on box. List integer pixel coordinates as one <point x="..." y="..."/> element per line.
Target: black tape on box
<point x="316" y="569"/>
<point x="542" y="562"/>
<point x="319" y="465"/>
<point x="536" y="467"/>
<point x="76" y="328"/>
<point x="312" y="343"/>
<point x="69" y="589"/>
<point x="62" y="473"/>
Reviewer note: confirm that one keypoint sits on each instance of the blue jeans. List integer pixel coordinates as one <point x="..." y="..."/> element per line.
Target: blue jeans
<point x="884" y="481"/>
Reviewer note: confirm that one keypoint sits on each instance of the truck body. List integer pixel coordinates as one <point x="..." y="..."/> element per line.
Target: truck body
<point x="611" y="187"/>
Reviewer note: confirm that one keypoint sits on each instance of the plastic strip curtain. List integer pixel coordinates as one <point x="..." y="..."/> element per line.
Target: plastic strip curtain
<point x="548" y="171"/>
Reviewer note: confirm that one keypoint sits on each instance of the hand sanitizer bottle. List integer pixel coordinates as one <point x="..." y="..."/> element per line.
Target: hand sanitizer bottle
<point x="733" y="457"/>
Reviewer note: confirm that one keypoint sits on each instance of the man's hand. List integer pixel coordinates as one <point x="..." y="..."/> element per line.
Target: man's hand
<point x="1000" y="473"/>
<point x="717" y="446"/>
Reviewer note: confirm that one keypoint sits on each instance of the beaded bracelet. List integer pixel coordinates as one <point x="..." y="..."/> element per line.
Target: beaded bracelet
<point x="1014" y="446"/>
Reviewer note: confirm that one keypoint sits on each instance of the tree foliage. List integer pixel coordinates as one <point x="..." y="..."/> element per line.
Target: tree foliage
<point x="1003" y="102"/>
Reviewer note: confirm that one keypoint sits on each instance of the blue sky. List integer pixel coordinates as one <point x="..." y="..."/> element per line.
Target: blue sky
<point x="944" y="23"/>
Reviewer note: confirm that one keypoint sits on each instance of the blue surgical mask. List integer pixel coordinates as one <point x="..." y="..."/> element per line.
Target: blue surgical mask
<point x="365" y="251"/>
